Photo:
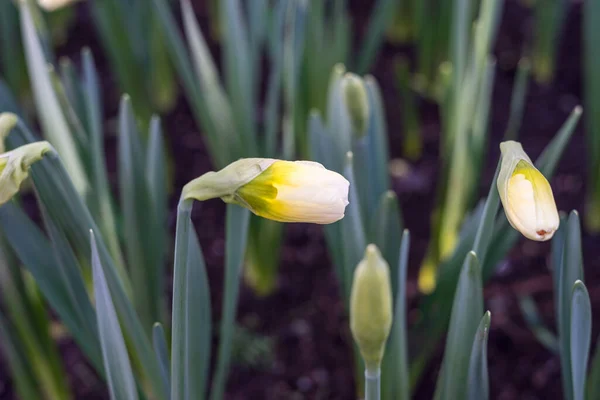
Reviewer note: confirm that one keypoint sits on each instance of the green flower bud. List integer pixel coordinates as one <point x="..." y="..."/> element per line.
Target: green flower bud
<point x="357" y="103"/>
<point x="371" y="307"/>
<point x="14" y="167"/>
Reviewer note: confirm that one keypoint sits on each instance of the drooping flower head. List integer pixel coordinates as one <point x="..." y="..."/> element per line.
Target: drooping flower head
<point x="526" y="194"/>
<point x="285" y="191"/>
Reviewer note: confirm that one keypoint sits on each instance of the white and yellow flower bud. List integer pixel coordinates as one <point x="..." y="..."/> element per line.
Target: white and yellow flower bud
<point x="526" y="195"/>
<point x="53" y="5"/>
<point x="371" y="307"/>
<point x="285" y="191"/>
<point x="357" y="103"/>
<point x="14" y="167"/>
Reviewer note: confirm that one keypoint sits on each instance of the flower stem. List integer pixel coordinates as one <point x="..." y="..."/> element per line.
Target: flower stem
<point x="373" y="383"/>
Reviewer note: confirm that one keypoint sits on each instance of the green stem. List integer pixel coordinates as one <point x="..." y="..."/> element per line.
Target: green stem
<point x="373" y="383"/>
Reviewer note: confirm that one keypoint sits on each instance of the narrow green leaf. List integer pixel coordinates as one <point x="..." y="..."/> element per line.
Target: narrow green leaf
<point x="570" y="272"/>
<point x="394" y="380"/>
<point x="517" y="100"/>
<point x="354" y="239"/>
<point x="478" y="381"/>
<point x="62" y="287"/>
<point x="162" y="354"/>
<point x="190" y="340"/>
<point x="532" y="317"/>
<point x="386" y="233"/>
<point x="218" y="108"/>
<point x="145" y="270"/>
<point x="581" y="333"/>
<point x="236" y="235"/>
<point x="558" y="245"/>
<point x="548" y="160"/>
<point x="483" y="239"/>
<point x="25" y="383"/>
<point x="100" y="199"/>
<point x="593" y="379"/>
<point x="378" y="146"/>
<point x="114" y="353"/>
<point x="51" y="116"/>
<point x="381" y="16"/>
<point x="466" y="309"/>
<point x="239" y="74"/>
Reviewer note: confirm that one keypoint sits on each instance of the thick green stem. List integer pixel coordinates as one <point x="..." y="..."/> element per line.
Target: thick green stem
<point x="372" y="383"/>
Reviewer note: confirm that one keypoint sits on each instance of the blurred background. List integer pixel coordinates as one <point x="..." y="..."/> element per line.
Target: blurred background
<point x="291" y="338"/>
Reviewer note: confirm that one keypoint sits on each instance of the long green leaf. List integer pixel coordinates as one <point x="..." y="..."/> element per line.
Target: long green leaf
<point x="190" y="340"/>
<point x="218" y="107"/>
<point x="581" y="333"/>
<point x="58" y="278"/>
<point x="466" y="309"/>
<point x="478" y="381"/>
<point x="162" y="353"/>
<point x="137" y="222"/>
<point x="114" y="353"/>
<point x="378" y="146"/>
<point x="394" y="380"/>
<point x="354" y="239"/>
<point x="386" y="233"/>
<point x="381" y="16"/>
<point x="239" y="75"/>
<point x="100" y="199"/>
<point x="570" y="272"/>
<point x="236" y="233"/>
<point x="51" y="116"/>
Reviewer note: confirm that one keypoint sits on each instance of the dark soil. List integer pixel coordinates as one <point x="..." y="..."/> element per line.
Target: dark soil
<point x="305" y="317"/>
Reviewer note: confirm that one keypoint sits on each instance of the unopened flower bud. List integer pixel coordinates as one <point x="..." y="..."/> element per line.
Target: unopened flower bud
<point x="357" y="103"/>
<point x="285" y="191"/>
<point x="371" y="306"/>
<point x="526" y="195"/>
<point x="14" y="167"/>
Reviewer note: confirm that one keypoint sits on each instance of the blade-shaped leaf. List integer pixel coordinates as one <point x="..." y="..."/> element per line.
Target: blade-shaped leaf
<point x="386" y="233"/>
<point x="51" y="116"/>
<point x="466" y="309"/>
<point x="394" y="380"/>
<point x="236" y="234"/>
<point x="162" y="354"/>
<point x="114" y="353"/>
<point x="478" y="381"/>
<point x="190" y="341"/>
<point x="581" y="333"/>
<point x="570" y="272"/>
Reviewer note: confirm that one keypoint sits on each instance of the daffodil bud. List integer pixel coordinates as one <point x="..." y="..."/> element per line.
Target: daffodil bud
<point x="14" y="167"/>
<point x="53" y="5"/>
<point x="371" y="307"/>
<point x="357" y="103"/>
<point x="526" y="195"/>
<point x="7" y="122"/>
<point x="285" y="191"/>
